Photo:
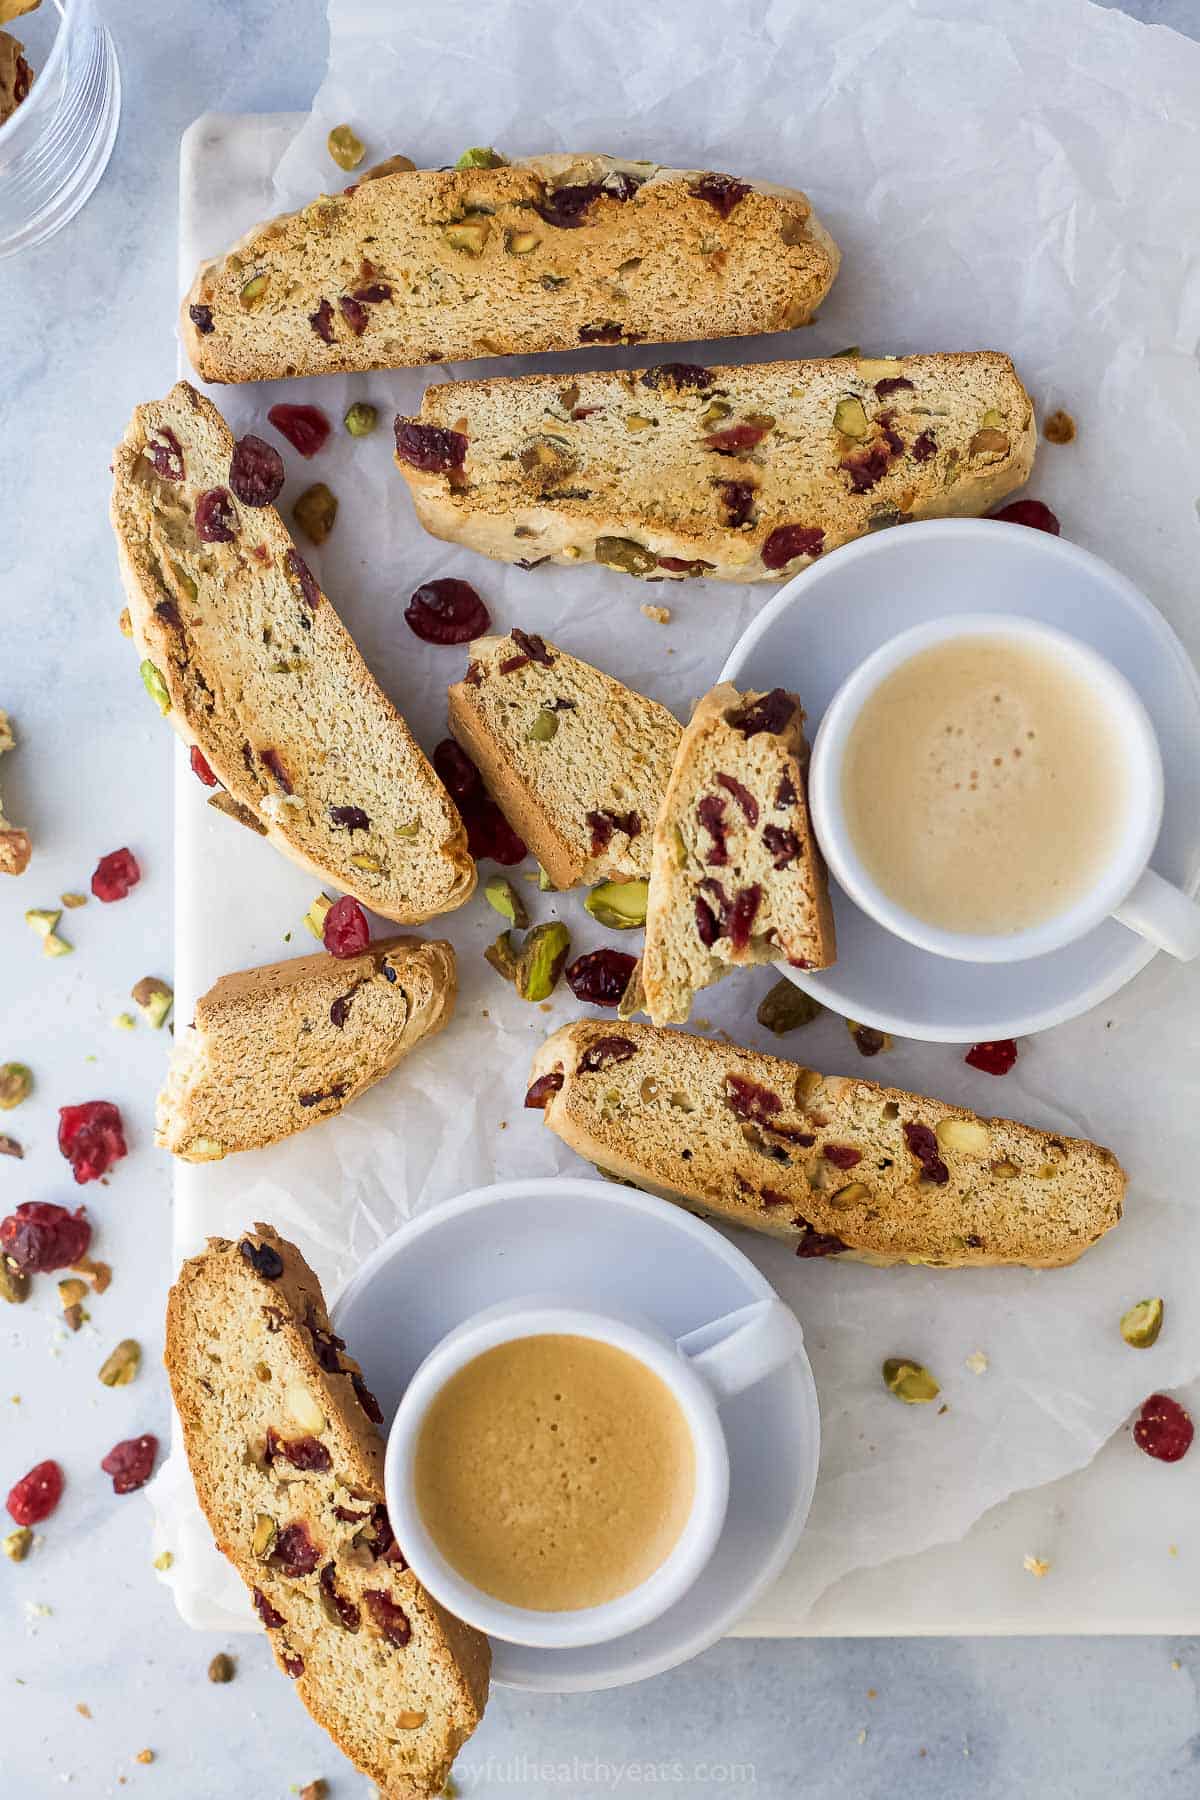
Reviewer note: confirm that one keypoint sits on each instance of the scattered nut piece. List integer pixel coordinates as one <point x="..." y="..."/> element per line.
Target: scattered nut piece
<point x="164" y="1561"/>
<point x="541" y="961"/>
<point x="16" y="1082"/>
<point x="83" y="1709"/>
<point x="503" y="956"/>
<point x="853" y="1194"/>
<point x="545" y="885"/>
<point x="263" y="1539"/>
<point x="661" y="615"/>
<point x="253" y="292"/>
<point x="315" y="512"/>
<point x="503" y="898"/>
<point x="17" y="1545"/>
<point x="867" y="1040"/>
<point x="10" y="1147"/>
<point x="909" y="1381"/>
<point x="233" y="809"/>
<point x="361" y="419"/>
<point x="122" y="1364"/>
<point x="1058" y="427"/>
<point x="72" y="1291"/>
<point x="345" y="148"/>
<point x="303" y="1408"/>
<point x="125" y="623"/>
<point x="314" y="918"/>
<point x="544" y="726"/>
<point x="98" y="1275"/>
<point x="1141" y="1325"/>
<point x="1035" y="1566"/>
<point x="620" y="905"/>
<point x="481" y="158"/>
<point x="155" y="686"/>
<point x="370" y="865"/>
<point x="850" y="418"/>
<point x="73" y="900"/>
<point x="977" y="1362"/>
<point x="154" y="999"/>
<point x="785" y="1007"/>
<point x="315" y="1790"/>
<point x="409" y="1719"/>
<point x="144" y="1756"/>
<point x="14" y="1287"/>
<point x="222" y="1668"/>
<point x="74" y="1316"/>
<point x="969" y="1137"/>
<point x="124" y="1022"/>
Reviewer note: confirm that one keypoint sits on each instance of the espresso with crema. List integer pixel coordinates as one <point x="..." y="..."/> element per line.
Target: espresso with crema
<point x="983" y="785"/>
<point x="555" y="1472"/>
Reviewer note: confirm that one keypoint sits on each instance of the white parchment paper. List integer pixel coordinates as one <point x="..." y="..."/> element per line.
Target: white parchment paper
<point x="1016" y="177"/>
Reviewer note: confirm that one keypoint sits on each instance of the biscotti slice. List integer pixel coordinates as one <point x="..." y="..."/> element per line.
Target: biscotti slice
<point x="742" y="474"/>
<point x="736" y="875"/>
<point x="273" y="1050"/>
<point x="254" y="669"/>
<point x="545" y="253"/>
<point x="16" y="846"/>
<point x="16" y="76"/>
<point x="280" y="1433"/>
<point x="836" y="1166"/>
<point x="577" y="762"/>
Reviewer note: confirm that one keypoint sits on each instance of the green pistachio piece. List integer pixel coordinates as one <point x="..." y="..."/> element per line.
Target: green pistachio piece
<point x="315" y="511"/>
<point x="361" y="419"/>
<point x="633" y="1000"/>
<point x="314" y="918"/>
<point x="1141" y="1325"/>
<point x="503" y="897"/>
<point x="909" y="1381"/>
<point x="185" y="581"/>
<point x="124" y="1022"/>
<point x="119" y="1368"/>
<point x="850" y="418"/>
<point x="345" y="148"/>
<point x="540" y="964"/>
<point x="785" y="1007"/>
<point x="625" y="554"/>
<point x="56" y="946"/>
<point x="16" y="1082"/>
<point x="503" y="956"/>
<point x="481" y="159"/>
<point x="14" y="1287"/>
<point x="17" y="1545"/>
<point x="544" y="727"/>
<point x="621" y="905"/>
<point x="545" y="885"/>
<point x="153" y="998"/>
<point x="252" y="292"/>
<point x="155" y="686"/>
<point x="42" y="920"/>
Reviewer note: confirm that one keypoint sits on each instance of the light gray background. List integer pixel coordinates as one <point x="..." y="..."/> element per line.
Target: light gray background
<point x="969" y="1719"/>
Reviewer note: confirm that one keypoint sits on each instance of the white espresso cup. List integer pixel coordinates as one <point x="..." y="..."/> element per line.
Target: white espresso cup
<point x="700" y="1370"/>
<point x="1126" y="888"/>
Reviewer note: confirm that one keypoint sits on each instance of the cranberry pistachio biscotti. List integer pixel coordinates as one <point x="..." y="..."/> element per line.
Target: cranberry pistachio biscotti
<point x="544" y="253"/>
<point x="742" y="474"/>
<point x="281" y="1434"/>
<point x="835" y="1165"/>
<point x="247" y="658"/>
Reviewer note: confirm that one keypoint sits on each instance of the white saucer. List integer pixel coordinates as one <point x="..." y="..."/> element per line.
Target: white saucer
<point x="822" y="625"/>
<point x="616" y="1245"/>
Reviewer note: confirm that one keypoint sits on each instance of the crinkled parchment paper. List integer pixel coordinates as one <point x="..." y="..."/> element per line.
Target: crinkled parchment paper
<point x="1016" y="177"/>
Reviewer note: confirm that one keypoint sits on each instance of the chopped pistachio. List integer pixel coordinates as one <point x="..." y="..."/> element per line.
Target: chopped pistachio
<point x="252" y="292"/>
<point x="10" y="1147"/>
<point x="163" y="1561"/>
<point x="73" y="900"/>
<point x="621" y="905"/>
<point x="124" y="1022"/>
<point x="503" y="956"/>
<point x="785" y="1007"/>
<point x="467" y="235"/>
<point x="71" y="1291"/>
<point x="154" y="999"/>
<point x="56" y="946"/>
<point x="992" y="419"/>
<point x="678" y="848"/>
<point x="42" y="919"/>
<point x="185" y="581"/>
<point x="852" y="350"/>
<point x="370" y="865"/>
<point x="222" y="1668"/>
<point x="14" y="1287"/>
<point x="315" y="512"/>
<point x="544" y="726"/>
<point x="16" y="1082"/>
<point x="909" y="1381"/>
<point x="503" y="897"/>
<point x="850" y="418"/>
<point x="17" y="1545"/>
<point x="314" y="918"/>
<point x="122" y="1364"/>
<point x="1141" y="1325"/>
<point x="541" y="961"/>
<point x="345" y="148"/>
<point x="155" y="686"/>
<point x="361" y="419"/>
<point x="520" y="243"/>
<point x="263" y="1538"/>
<point x="714" y="412"/>
<point x="545" y="885"/>
<point x="125" y="623"/>
<point x="481" y="159"/>
<point x="625" y="554"/>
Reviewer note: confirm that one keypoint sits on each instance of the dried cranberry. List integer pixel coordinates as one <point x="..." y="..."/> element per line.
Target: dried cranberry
<point x="723" y="192"/>
<point x="772" y="1197"/>
<point x="735" y="438"/>
<point x="306" y="1453"/>
<point x="293" y="1552"/>
<point x="353" y="818"/>
<point x="447" y="612"/>
<point x="36" y="1495"/>
<point x="306" y="428"/>
<point x="489" y="834"/>
<point x="819" y="1243"/>
<point x="458" y="773"/>
<point x="91" y="1137"/>
<point x="216" y="521"/>
<point x="603" y="824"/>
<point x="539" y="1094"/>
<point x="785" y="793"/>
<point x="605" y="1052"/>
<point x="256" y="472"/>
<point x="770" y="712"/>
<point x="371" y="296"/>
<point x="131" y="1463"/>
<point x="346" y="932"/>
<point x="787" y="542"/>
<point x="326" y="1344"/>
<point x="354" y="313"/>
<point x="868" y="1041"/>
<point x="339" y="1011"/>
<point x="677" y="375"/>
<point x="322" y="322"/>
<point x="264" y="1259"/>
<point x="270" y="1618"/>
<point x="202" y="319"/>
<point x="168" y="612"/>
<point x="566" y="206"/>
<point x="866" y="466"/>
<point x="924" y="1146"/>
<point x="275" y="765"/>
<point x="745" y="911"/>
<point x="336" y="1092"/>
<point x="737" y="497"/>
<point x="742" y="795"/>
<point x="784" y="845"/>
<point x="892" y="384"/>
<point x="600" y="977"/>
<point x="924" y="446"/>
<point x="304" y="575"/>
<point x="165" y="453"/>
<point x="429" y="447"/>
<point x="1163" y="1429"/>
<point x="1030" y="512"/>
<point x="366" y="1399"/>
<point x="346" y="1610"/>
<point x="711" y="814"/>
<point x="200" y="768"/>
<point x="608" y="331"/>
<point x="532" y="646"/>
<point x="995" y="1057"/>
<point x="706" y="923"/>
<point x="892" y="438"/>
<point x="391" y="1619"/>
<point x="293" y="1665"/>
<point x="842" y="1156"/>
<point x="41" y="1236"/>
<point x="720" y="903"/>
<point x="751" y="1100"/>
<point x="677" y="565"/>
<point x="115" y="875"/>
<point x="380" y="1539"/>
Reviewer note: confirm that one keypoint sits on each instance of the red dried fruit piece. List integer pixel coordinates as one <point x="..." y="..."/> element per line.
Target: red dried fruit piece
<point x="742" y="795"/>
<point x="335" y="1092"/>
<point x="41" y="1236"/>
<point x="924" y="446"/>
<point x="131" y="1463"/>
<point x="770" y="712"/>
<point x="745" y="911"/>
<point x="326" y="1344"/>
<point x="735" y="438"/>
<point x="216" y="521"/>
<point x="532" y="646"/>
<point x="603" y="824"/>
<point x="305" y="1453"/>
<point x="429" y="447"/>
<point x="751" y="1100"/>
<point x="200" y="768"/>
<point x="91" y="1137"/>
<point x="723" y="192"/>
<point x="346" y="931"/>
<point x="339" y="1011"/>
<point x="458" y="773"/>
<point x="607" y="332"/>
<point x="720" y="903"/>
<point x="677" y="375"/>
<point x="868" y="1041"/>
<point x="354" y="313"/>
<point x="489" y="834"/>
<point x="737" y="498"/>
<point x="707" y="929"/>
<point x="353" y="818"/>
<point x="600" y="977"/>
<point x="264" y="1259"/>
<point x="924" y="1146"/>
<point x="539" y="1094"/>
<point x="391" y="1619"/>
<point x="711" y="814"/>
<point x="371" y="296"/>
<point x="1030" y="512"/>
<point x="995" y="1057"/>
<point x="787" y="542"/>
<point x="892" y="384"/>
<point x="202" y="319"/>
<point x="447" y="612"/>
<point x="605" y="1052"/>
<point x="366" y="1400"/>
<point x="165" y="453"/>
<point x="676" y="565"/>
<point x="306" y="428"/>
<point x="347" y="1613"/>
<point x="274" y="763"/>
<point x="819" y="1243"/>
<point x="115" y="875"/>
<point x="270" y="1618"/>
<point x="256" y="471"/>
<point x="892" y="438"/>
<point x="380" y="1539"/>
<point x="293" y="1665"/>
<point x="785" y="793"/>
<point x="784" y="845"/>
<point x="305" y="577"/>
<point x="168" y="612"/>
<point x="842" y="1156"/>
<point x="322" y="322"/>
<point x="565" y="207"/>
<point x="866" y="466"/>
<point x="772" y="1197"/>
<point x="1163" y="1429"/>
<point x="36" y="1495"/>
<point x="294" y="1554"/>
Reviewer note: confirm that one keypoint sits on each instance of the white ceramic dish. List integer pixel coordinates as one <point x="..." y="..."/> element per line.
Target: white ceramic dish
<point x="609" y="1245"/>
<point x="822" y="625"/>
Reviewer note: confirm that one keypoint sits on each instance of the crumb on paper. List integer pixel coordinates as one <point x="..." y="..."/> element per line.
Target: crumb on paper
<point x="862" y="1736"/>
<point x="1172" y="1549"/>
<point x="943" y="1408"/>
<point x="659" y="614"/>
<point x="83" y="1709"/>
<point x="1175" y="1663"/>
<point x="1058" y="427"/>
<point x="872" y="1694"/>
<point x="1036" y="1566"/>
<point x="144" y="1756"/>
<point x="977" y="1362"/>
<point x="163" y="1561"/>
<point x="73" y="900"/>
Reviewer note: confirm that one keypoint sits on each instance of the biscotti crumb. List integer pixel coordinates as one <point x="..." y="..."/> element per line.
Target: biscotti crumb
<point x="1036" y="1567"/>
<point x="977" y="1362"/>
<point x="1059" y="428"/>
<point x="660" y="614"/>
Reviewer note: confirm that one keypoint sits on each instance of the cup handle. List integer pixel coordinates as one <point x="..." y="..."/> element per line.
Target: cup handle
<point x="1164" y="914"/>
<point x="733" y="1352"/>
